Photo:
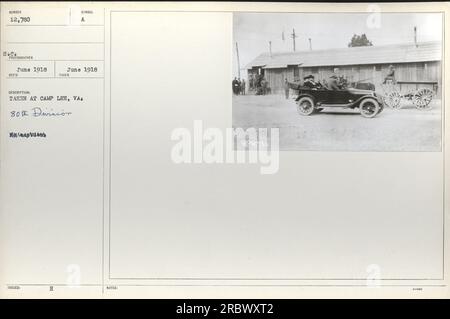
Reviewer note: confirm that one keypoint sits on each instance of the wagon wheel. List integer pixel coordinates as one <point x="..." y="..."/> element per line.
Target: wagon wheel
<point x="393" y="99"/>
<point x="422" y="99"/>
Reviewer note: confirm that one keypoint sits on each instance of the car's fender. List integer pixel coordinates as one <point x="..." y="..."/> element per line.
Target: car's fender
<point x="365" y="97"/>
<point x="305" y="95"/>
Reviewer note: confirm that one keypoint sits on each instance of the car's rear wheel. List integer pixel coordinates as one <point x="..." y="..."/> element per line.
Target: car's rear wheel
<point x="305" y="105"/>
<point x="369" y="107"/>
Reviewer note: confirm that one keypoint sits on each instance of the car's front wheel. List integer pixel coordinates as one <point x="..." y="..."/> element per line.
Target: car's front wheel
<point x="369" y="107"/>
<point x="305" y="105"/>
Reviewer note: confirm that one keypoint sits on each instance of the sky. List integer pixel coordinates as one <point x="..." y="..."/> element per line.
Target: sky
<point x="253" y="31"/>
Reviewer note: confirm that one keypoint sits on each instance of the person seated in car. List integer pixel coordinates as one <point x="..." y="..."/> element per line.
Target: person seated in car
<point x="333" y="82"/>
<point x="308" y="81"/>
<point x="337" y="81"/>
<point x="342" y="83"/>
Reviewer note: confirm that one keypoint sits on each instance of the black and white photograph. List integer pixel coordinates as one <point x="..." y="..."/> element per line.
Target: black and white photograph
<point x="340" y="81"/>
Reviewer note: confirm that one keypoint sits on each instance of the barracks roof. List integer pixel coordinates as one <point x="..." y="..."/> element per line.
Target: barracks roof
<point x="399" y="53"/>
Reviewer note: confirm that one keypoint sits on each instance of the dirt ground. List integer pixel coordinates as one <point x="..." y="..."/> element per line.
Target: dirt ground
<point x="407" y="129"/>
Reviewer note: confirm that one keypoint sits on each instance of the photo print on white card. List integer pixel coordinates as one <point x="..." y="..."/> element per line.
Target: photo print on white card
<point x="340" y="81"/>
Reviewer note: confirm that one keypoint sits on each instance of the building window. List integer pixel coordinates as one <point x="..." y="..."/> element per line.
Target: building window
<point x="261" y="71"/>
<point x="378" y="67"/>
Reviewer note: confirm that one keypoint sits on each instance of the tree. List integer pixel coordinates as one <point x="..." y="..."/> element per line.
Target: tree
<point x="359" y="41"/>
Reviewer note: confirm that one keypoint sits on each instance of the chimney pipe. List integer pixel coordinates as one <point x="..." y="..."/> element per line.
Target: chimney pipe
<point x="270" y="48"/>
<point x="310" y="44"/>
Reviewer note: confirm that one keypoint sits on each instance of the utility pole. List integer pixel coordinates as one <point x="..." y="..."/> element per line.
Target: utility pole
<point x="270" y="48"/>
<point x="293" y="36"/>
<point x="238" y="64"/>
<point x="310" y="44"/>
<point x="415" y="36"/>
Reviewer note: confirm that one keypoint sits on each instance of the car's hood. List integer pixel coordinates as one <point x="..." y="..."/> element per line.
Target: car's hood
<point x="361" y="92"/>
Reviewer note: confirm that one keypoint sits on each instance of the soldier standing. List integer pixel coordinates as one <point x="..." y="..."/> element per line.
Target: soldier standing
<point x="264" y="86"/>
<point x="235" y="85"/>
<point x="259" y="84"/>
<point x="243" y="87"/>
<point x="286" y="88"/>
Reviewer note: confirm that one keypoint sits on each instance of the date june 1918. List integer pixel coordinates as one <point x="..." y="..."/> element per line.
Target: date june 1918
<point x="40" y="112"/>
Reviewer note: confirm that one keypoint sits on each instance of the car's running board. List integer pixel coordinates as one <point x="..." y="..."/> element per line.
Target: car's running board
<point x="335" y="105"/>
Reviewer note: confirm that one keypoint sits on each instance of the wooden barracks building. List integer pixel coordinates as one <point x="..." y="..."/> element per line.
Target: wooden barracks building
<point x="415" y="65"/>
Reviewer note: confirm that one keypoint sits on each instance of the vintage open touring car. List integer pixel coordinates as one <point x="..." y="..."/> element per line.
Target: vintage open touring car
<point x="310" y="100"/>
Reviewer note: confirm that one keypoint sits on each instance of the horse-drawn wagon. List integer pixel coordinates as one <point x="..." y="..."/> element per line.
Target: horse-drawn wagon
<point x="420" y="93"/>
